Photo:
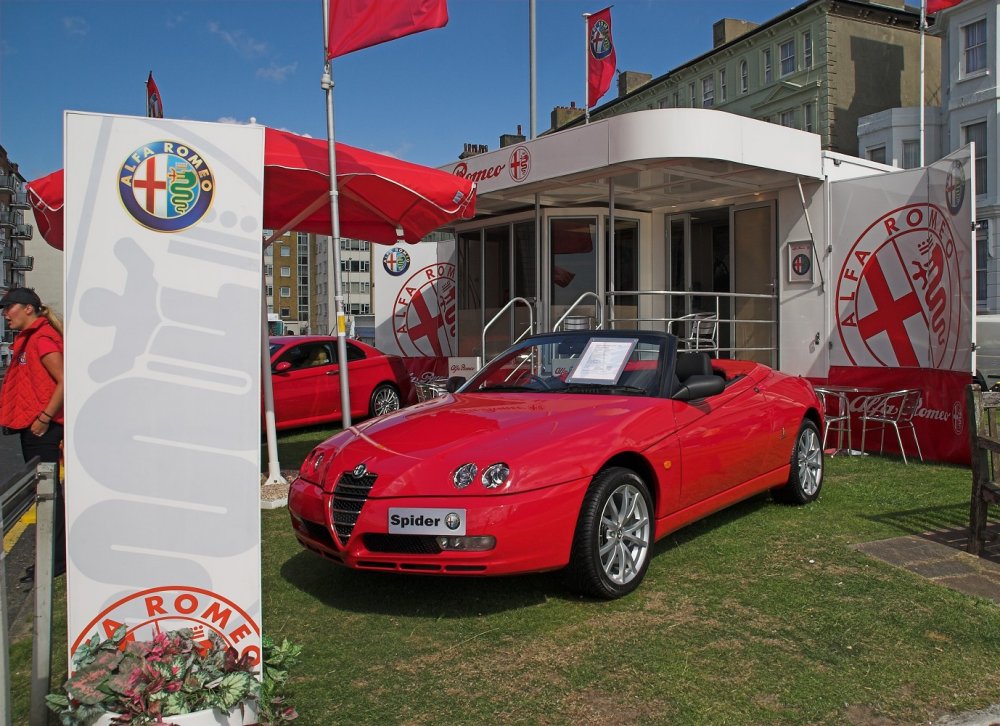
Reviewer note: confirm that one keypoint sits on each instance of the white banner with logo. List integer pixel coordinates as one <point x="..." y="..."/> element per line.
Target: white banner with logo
<point x="163" y="333"/>
<point x="415" y="299"/>
<point x="903" y="264"/>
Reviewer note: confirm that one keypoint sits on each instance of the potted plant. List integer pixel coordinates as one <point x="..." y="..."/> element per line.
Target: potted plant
<point x="173" y="679"/>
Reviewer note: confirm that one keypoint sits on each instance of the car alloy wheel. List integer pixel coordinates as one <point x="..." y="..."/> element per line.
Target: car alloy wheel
<point x="385" y="399"/>
<point x="805" y="476"/>
<point x="614" y="535"/>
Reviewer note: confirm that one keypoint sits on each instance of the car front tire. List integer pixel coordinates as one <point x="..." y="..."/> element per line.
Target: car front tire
<point x="806" y="476"/>
<point x="614" y="536"/>
<point x="385" y="399"/>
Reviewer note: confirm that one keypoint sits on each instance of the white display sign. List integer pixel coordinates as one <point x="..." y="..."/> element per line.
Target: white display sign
<point x="163" y="334"/>
<point x="602" y="361"/>
<point x="415" y="300"/>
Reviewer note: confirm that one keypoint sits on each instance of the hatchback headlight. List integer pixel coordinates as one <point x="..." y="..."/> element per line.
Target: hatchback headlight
<point x="496" y="475"/>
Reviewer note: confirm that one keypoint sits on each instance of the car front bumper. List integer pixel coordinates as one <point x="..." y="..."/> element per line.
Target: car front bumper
<point x="533" y="531"/>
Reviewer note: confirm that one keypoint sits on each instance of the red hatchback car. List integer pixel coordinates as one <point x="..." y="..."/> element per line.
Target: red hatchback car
<point x="306" y="380"/>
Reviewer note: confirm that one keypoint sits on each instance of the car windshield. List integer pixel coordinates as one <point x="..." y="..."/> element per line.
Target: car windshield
<point x="590" y="363"/>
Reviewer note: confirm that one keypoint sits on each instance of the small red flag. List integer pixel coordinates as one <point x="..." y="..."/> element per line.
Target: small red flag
<point x="357" y="24"/>
<point x="601" y="58"/>
<point x="154" y="104"/>
<point x="934" y="6"/>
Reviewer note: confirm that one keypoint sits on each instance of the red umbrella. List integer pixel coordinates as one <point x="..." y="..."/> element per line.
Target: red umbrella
<point x="381" y="199"/>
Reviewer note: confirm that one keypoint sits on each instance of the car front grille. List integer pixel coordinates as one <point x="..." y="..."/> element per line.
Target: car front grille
<point x="408" y="544"/>
<point x="349" y="497"/>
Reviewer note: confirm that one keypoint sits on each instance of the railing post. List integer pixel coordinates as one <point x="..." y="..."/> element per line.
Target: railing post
<point x="41" y="661"/>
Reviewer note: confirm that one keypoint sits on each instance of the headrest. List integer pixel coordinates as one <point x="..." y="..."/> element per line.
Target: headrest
<point x="693" y="364"/>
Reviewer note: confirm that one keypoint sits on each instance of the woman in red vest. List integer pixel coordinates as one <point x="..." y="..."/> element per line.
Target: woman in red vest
<point x="31" y="398"/>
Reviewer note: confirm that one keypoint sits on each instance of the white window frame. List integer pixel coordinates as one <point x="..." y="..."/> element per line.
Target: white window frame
<point x="723" y="90"/>
<point x="692" y="94"/>
<point x="982" y="151"/>
<point x="807" y="49"/>
<point x="977" y="52"/>
<point x="910" y="154"/>
<point x="284" y="292"/>
<point x="786" y="55"/>
<point x="708" y="92"/>
<point x="744" y="76"/>
<point x="767" y="66"/>
<point x="787" y="118"/>
<point x="285" y="271"/>
<point x="809" y="117"/>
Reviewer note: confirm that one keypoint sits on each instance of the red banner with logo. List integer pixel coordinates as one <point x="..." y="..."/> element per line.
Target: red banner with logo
<point x="601" y="58"/>
<point x="903" y="301"/>
<point x="154" y="103"/>
<point x="357" y="24"/>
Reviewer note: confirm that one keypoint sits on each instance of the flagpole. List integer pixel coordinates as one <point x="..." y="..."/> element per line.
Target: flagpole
<point x="532" y="94"/>
<point x="923" y="30"/>
<point x="333" y="246"/>
<point x="586" y="69"/>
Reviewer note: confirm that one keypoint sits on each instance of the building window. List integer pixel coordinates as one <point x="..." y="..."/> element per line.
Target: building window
<point x="286" y="272"/>
<point x="694" y="99"/>
<point x="676" y="100"/>
<point x="303" y="238"/>
<point x="286" y="312"/>
<point x="270" y="291"/>
<point x="285" y="292"/>
<point x="766" y="61"/>
<point x="787" y="54"/>
<point x="876" y="153"/>
<point x="911" y="154"/>
<point x="286" y="251"/>
<point x="807" y="49"/>
<point x="976" y="134"/>
<point x="269" y="270"/>
<point x="707" y="92"/>
<point x="723" y="92"/>
<point x="974" y="40"/>
<point x="809" y="117"/>
<point x="788" y="118"/>
<point x="663" y="103"/>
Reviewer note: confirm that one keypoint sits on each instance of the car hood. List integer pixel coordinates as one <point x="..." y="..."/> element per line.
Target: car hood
<point x="545" y="439"/>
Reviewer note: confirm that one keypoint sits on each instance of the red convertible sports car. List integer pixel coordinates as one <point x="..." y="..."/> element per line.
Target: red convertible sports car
<point x="573" y="451"/>
<point x="306" y="380"/>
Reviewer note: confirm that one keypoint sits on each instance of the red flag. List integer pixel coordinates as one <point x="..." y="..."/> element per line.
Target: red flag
<point x="154" y="104"/>
<point x="357" y="24"/>
<point x="934" y="6"/>
<point x="601" y="59"/>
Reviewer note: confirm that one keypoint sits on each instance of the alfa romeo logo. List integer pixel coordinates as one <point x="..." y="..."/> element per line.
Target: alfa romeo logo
<point x="423" y="316"/>
<point x="396" y="261"/>
<point x="600" y="40"/>
<point x="520" y="163"/>
<point x="899" y="291"/>
<point x="954" y="188"/>
<point x="166" y="186"/>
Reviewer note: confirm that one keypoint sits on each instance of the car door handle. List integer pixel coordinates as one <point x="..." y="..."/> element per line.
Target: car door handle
<point x="333" y="372"/>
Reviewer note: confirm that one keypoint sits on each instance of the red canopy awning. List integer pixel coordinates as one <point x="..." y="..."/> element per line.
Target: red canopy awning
<point x="381" y="199"/>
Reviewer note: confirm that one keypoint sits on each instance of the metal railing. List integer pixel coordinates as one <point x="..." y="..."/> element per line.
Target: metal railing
<point x="759" y="334"/>
<point x="36" y="483"/>
<point x="510" y="305"/>
<point x="599" y="309"/>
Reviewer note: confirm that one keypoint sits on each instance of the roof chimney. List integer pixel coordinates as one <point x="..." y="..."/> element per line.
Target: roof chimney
<point x="473" y="150"/>
<point x="511" y="139"/>
<point x="561" y="115"/>
<point x="629" y="81"/>
<point x="729" y="29"/>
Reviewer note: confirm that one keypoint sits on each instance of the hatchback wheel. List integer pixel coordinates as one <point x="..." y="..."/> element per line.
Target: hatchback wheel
<point x="385" y="399"/>
<point x="614" y="536"/>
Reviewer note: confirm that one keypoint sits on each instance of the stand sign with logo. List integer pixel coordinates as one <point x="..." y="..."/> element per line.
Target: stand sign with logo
<point x="903" y="301"/>
<point x="163" y="336"/>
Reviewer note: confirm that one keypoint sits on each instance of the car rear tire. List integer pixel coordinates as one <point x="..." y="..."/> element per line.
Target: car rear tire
<point x="806" y="476"/>
<point x="385" y="399"/>
<point x="614" y="536"/>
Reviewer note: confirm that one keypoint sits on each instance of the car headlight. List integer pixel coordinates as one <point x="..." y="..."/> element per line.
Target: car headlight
<point x="496" y="475"/>
<point x="464" y="475"/>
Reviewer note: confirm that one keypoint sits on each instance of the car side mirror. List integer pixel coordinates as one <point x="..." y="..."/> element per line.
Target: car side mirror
<point x="282" y="366"/>
<point x="695" y="387"/>
<point x="454" y="383"/>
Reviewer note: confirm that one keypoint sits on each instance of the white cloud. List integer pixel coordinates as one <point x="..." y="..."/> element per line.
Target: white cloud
<point x="277" y="73"/>
<point x="75" y="26"/>
<point x="175" y="21"/>
<point x="239" y="41"/>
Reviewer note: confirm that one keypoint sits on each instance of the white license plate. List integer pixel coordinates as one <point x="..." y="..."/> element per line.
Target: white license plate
<point x="426" y="521"/>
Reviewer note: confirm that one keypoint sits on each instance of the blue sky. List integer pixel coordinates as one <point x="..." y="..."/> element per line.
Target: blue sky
<point x="419" y="98"/>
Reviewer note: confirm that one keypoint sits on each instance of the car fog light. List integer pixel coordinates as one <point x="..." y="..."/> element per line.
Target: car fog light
<point x="467" y="544"/>
<point x="464" y="475"/>
<point x="495" y="476"/>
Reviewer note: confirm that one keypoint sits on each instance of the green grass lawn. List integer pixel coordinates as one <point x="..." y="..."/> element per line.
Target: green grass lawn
<point x="762" y="614"/>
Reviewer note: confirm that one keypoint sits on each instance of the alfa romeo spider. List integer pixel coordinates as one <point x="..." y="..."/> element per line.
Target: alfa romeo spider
<point x="571" y="451"/>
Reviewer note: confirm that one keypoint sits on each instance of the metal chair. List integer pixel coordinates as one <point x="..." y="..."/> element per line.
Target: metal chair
<point x="700" y="331"/>
<point x="838" y="416"/>
<point x="895" y="409"/>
